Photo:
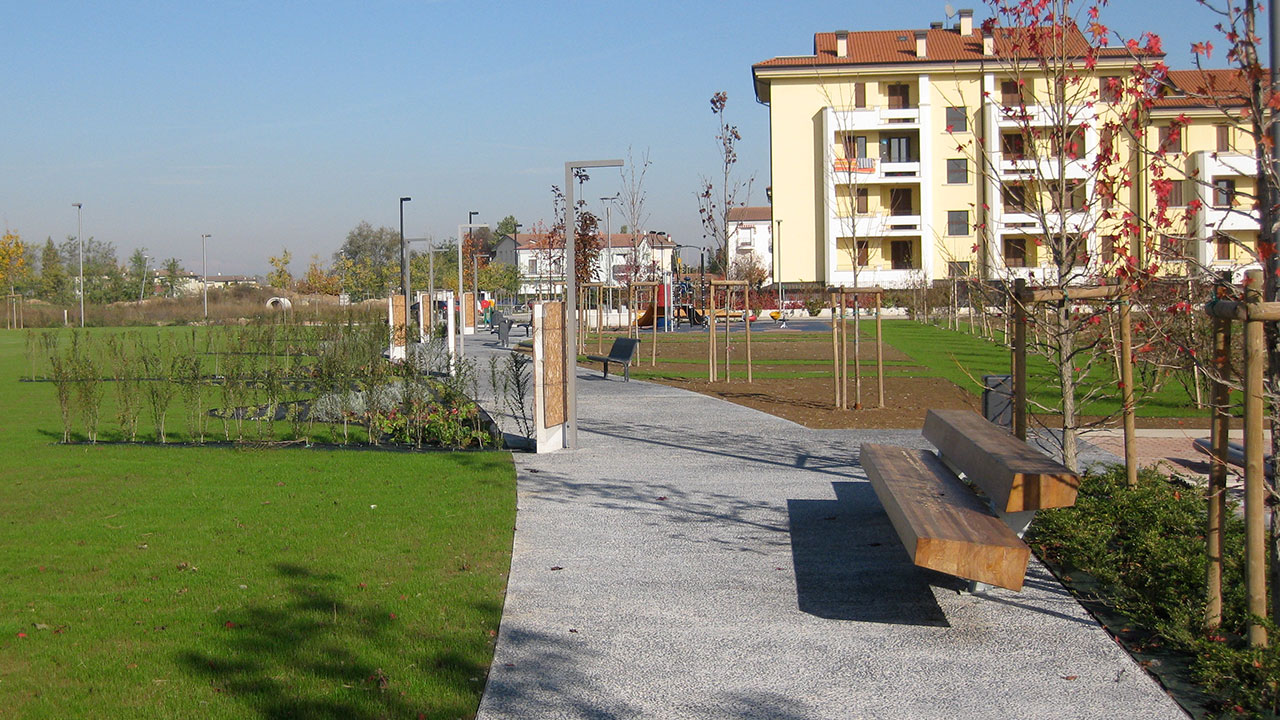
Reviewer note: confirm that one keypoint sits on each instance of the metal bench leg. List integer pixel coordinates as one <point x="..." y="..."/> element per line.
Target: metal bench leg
<point x="626" y="373"/>
<point x="606" y="370"/>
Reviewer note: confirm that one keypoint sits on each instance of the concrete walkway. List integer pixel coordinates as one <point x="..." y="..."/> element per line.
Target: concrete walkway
<point x="699" y="559"/>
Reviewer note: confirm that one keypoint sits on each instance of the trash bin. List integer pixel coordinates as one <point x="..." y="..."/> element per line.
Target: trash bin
<point x="997" y="399"/>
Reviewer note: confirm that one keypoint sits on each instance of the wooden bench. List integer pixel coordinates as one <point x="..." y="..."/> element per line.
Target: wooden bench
<point x="943" y="522"/>
<point x="622" y="352"/>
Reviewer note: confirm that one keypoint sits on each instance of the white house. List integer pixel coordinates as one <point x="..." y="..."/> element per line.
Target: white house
<point x="623" y="257"/>
<point x="751" y="234"/>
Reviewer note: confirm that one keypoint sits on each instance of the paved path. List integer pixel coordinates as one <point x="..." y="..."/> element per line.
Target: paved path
<point x="700" y="559"/>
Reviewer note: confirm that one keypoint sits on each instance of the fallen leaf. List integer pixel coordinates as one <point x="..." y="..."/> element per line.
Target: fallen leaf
<point x="40" y="626"/>
<point x="22" y="634"/>
<point x="556" y="567"/>
<point x="573" y="630"/>
<point x="1070" y="677"/>
<point x="662" y="497"/>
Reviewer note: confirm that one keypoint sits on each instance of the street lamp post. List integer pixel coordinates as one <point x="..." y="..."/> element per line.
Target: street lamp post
<point x="475" y="271"/>
<point x="462" y="317"/>
<point x="515" y="238"/>
<point x="570" y="338"/>
<point x="204" y="269"/>
<point x="80" y="252"/>
<point x="608" y="238"/>
<point x="404" y="268"/>
<point x="143" y="285"/>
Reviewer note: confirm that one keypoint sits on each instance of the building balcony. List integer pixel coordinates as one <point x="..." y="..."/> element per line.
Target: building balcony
<point x="877" y="117"/>
<point x="1222" y="219"/>
<point x="1044" y="168"/>
<point x="1211" y="165"/>
<point x="1040" y="115"/>
<point x="1022" y="222"/>
<point x="882" y="277"/>
<point x="877" y="225"/>
<point x="862" y="171"/>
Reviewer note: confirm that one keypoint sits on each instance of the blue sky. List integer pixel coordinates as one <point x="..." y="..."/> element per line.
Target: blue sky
<point x="284" y="124"/>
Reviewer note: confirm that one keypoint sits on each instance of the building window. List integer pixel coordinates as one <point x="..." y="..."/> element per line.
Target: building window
<point x="1015" y="251"/>
<point x="900" y="254"/>
<point x="1224" y="193"/>
<point x="899" y="96"/>
<point x="1013" y="95"/>
<point x="958" y="269"/>
<point x="1073" y="147"/>
<point x="896" y="149"/>
<point x="864" y="253"/>
<point x="957" y="222"/>
<point x="1013" y="146"/>
<point x="1170" y="139"/>
<point x="1224" y="247"/>
<point x="859" y="95"/>
<point x="533" y="266"/>
<point x="1106" y="194"/>
<point x="957" y="171"/>
<point x="1224" y="138"/>
<point x="860" y="201"/>
<point x="1109" y="89"/>
<point x="1107" y="141"/>
<point x="900" y="201"/>
<point x="1176" y="198"/>
<point x="1173" y="247"/>
<point x="1108" y="248"/>
<point x="957" y="120"/>
<point x="1015" y="198"/>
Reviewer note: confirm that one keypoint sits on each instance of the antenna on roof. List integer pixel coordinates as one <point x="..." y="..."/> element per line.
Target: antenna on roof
<point x="950" y="12"/>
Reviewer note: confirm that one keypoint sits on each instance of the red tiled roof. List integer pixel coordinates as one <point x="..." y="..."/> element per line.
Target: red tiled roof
<point x="527" y="241"/>
<point x="941" y="45"/>
<point x="1205" y="88"/>
<point x="750" y="214"/>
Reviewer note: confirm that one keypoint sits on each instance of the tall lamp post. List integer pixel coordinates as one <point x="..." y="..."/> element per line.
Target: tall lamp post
<point x="608" y="237"/>
<point x="462" y="317"/>
<point x="475" y="263"/>
<point x="204" y="270"/>
<point x="143" y="285"/>
<point x="404" y="267"/>
<point x="570" y="338"/>
<point x="80" y="252"/>
<point x="515" y="238"/>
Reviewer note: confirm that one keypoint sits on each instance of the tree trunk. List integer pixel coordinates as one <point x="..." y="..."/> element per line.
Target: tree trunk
<point x="1065" y="342"/>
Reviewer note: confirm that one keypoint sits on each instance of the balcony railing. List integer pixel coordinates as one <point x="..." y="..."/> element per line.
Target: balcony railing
<point x="857" y="165"/>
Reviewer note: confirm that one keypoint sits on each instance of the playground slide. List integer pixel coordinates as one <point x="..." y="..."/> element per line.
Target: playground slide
<point x="646" y="320"/>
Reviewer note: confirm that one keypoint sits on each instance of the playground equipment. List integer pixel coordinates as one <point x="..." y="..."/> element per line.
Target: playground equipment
<point x="730" y="286"/>
<point x="840" y="347"/>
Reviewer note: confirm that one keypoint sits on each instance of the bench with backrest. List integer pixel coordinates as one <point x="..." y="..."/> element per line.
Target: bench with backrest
<point x="622" y="352"/>
<point x="944" y="523"/>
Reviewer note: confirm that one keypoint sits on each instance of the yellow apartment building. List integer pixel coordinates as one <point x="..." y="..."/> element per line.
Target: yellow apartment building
<point x="902" y="157"/>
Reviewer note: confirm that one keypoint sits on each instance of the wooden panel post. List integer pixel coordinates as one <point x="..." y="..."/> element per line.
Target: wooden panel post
<point x="746" y="320"/>
<point x="711" y="337"/>
<point x="835" y="350"/>
<point x="1126" y="393"/>
<point x="1219" y="396"/>
<point x="879" y="356"/>
<point x="844" y="352"/>
<point x="653" y="305"/>
<point x="1255" y="549"/>
<point x="1019" y="360"/>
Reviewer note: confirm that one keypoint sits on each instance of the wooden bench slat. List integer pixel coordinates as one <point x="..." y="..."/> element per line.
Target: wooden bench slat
<point x="1016" y="476"/>
<point x="942" y="523"/>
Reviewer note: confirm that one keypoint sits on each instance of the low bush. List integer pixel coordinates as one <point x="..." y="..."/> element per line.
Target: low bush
<point x="1145" y="547"/>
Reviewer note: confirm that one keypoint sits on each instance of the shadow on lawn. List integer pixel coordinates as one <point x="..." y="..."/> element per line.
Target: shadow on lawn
<point x="295" y="659"/>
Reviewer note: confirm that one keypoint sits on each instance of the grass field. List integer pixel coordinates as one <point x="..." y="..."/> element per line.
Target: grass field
<point x="143" y="581"/>
<point x="953" y="355"/>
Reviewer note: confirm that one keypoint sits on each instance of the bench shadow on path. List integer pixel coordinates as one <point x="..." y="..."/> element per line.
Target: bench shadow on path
<point x="850" y="566"/>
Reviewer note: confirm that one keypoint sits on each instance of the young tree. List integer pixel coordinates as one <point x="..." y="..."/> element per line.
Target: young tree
<point x="13" y="259"/>
<point x="54" y="285"/>
<point x="172" y="269"/>
<point x="318" y="281"/>
<point x="280" y="277"/>
<point x="725" y="192"/>
<point x="632" y="199"/>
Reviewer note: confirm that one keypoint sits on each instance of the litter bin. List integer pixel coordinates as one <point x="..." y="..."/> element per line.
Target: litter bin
<point x="997" y="399"/>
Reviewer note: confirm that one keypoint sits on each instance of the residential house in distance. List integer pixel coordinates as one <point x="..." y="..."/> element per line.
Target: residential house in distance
<point x="902" y="157"/>
<point x="623" y="257"/>
<point x="751" y="239"/>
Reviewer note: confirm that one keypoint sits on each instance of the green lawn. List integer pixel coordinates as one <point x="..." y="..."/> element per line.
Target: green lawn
<point x="143" y="581"/>
<point x="963" y="359"/>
